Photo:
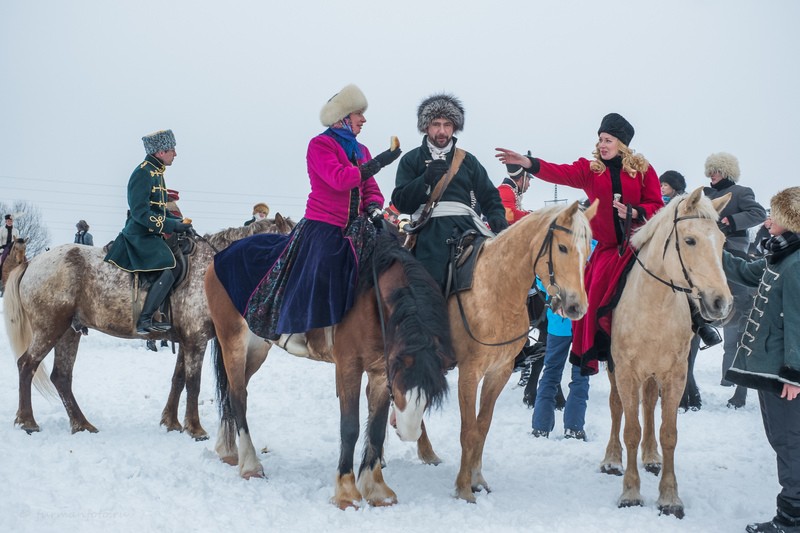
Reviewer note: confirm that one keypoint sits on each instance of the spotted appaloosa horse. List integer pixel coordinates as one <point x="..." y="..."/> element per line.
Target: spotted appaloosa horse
<point x="679" y="253"/>
<point x="397" y="332"/>
<point x="62" y="293"/>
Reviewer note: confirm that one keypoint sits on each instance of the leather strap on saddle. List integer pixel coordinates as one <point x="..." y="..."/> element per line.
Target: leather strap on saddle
<point x="413" y="227"/>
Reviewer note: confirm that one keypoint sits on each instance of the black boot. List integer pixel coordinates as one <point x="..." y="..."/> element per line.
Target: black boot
<point x="782" y="523"/>
<point x="707" y="333"/>
<point x="739" y="398"/>
<point x="155" y="297"/>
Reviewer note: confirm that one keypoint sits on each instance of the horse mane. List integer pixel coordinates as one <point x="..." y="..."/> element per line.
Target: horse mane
<point x="581" y="231"/>
<point x="702" y="208"/>
<point x="419" y="319"/>
<point x="224" y="238"/>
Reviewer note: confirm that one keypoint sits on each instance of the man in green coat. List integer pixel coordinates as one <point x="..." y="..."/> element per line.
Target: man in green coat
<point x="141" y="247"/>
<point x="768" y="357"/>
<point x="439" y="117"/>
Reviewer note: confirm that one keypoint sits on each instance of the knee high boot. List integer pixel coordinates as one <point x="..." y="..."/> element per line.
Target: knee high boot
<point x="155" y="297"/>
<point x="707" y="333"/>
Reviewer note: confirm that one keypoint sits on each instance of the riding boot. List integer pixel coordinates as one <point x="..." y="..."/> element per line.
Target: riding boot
<point x="707" y="333"/>
<point x="155" y="297"/>
<point x="294" y="343"/>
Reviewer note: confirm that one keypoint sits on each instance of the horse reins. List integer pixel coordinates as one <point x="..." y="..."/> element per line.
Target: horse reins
<point x="670" y="284"/>
<point x="555" y="296"/>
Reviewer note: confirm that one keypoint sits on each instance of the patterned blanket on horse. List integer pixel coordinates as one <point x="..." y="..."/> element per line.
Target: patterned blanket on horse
<point x="296" y="282"/>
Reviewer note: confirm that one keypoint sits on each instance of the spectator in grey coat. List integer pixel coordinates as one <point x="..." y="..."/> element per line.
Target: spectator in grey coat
<point x="741" y="213"/>
<point x="83" y="236"/>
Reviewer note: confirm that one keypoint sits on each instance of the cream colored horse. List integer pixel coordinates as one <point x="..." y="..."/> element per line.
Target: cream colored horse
<point x="679" y="254"/>
<point x="552" y="243"/>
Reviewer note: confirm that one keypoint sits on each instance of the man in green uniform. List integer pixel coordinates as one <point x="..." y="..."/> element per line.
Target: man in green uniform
<point x="141" y="247"/>
<point x="439" y="117"/>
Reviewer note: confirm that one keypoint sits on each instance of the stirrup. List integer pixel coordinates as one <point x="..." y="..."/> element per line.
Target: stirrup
<point x="294" y="343"/>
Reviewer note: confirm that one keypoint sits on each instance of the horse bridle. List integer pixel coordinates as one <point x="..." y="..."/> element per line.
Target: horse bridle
<point x="686" y="277"/>
<point x="552" y="289"/>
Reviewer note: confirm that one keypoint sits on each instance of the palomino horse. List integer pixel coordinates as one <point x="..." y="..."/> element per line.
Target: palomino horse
<point x="61" y="293"/>
<point x="396" y="332"/>
<point x="679" y="253"/>
<point x="489" y="323"/>
<point x="15" y="258"/>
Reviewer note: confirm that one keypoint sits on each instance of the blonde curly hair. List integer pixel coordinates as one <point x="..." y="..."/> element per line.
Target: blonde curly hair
<point x="632" y="163"/>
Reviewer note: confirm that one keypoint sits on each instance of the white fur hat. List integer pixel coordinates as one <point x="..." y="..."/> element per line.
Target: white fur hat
<point x="785" y="209"/>
<point x="724" y="163"/>
<point x="341" y="104"/>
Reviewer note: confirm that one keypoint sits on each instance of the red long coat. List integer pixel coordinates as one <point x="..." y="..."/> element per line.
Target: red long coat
<point x="592" y="334"/>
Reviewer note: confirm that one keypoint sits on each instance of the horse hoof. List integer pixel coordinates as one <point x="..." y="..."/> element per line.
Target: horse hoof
<point x="84" y="427"/>
<point x="467" y="496"/>
<point x="630" y="503"/>
<point x="258" y="474"/>
<point x="672" y="510"/>
<point x="653" y="468"/>
<point x="612" y="470"/>
<point x="231" y="460"/>
<point x="346" y="504"/>
<point x="200" y="438"/>
<point x="382" y="502"/>
<point x="30" y="429"/>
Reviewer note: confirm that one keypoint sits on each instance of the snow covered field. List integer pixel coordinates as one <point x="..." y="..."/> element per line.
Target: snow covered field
<point x="135" y="476"/>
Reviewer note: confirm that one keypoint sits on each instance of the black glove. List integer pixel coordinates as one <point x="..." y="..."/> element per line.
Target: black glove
<point x="387" y="158"/>
<point x="435" y="170"/>
<point x="498" y="224"/>
<point x="369" y="169"/>
<point x="374" y="212"/>
<point x="181" y="227"/>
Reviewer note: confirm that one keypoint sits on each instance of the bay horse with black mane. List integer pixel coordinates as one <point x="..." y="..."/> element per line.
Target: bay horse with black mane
<point x="396" y="331"/>
<point x="678" y="254"/>
<point x="60" y="294"/>
<point x="489" y="322"/>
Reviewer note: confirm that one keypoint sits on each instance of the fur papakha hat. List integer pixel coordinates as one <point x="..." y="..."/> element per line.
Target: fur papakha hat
<point x="724" y="163"/>
<point x="616" y="125"/>
<point x="82" y="226"/>
<point x="674" y="179"/>
<point x="440" y="106"/>
<point x="785" y="209"/>
<point x="158" y="141"/>
<point x="349" y="100"/>
<point x="261" y="207"/>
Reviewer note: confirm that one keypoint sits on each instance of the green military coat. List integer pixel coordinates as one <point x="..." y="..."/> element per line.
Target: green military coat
<point x="470" y="186"/>
<point x="769" y="351"/>
<point x="140" y="247"/>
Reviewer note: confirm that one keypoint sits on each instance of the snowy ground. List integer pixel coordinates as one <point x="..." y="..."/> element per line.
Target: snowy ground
<point x="135" y="476"/>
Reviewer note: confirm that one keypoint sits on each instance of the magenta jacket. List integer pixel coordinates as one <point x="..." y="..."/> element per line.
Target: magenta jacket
<point x="332" y="176"/>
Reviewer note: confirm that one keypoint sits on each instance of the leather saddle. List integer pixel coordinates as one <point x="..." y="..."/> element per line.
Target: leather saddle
<point x="464" y="252"/>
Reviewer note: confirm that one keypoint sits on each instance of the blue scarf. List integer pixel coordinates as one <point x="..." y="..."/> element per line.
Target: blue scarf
<point x="347" y="139"/>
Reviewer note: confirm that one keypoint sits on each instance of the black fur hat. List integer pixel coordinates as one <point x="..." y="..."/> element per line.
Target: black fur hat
<point x="8" y="217"/>
<point x="674" y="179"/>
<point x="616" y="125"/>
<point x="440" y="106"/>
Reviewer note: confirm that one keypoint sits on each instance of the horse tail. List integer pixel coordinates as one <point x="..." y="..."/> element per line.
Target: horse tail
<point x="19" y="331"/>
<point x="419" y="320"/>
<point x="226" y="419"/>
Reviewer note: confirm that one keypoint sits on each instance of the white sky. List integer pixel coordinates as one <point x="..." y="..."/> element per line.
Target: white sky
<point x="241" y="85"/>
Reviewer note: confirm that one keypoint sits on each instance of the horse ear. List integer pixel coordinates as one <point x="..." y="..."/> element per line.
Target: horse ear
<point x="572" y="209"/>
<point x="720" y="203"/>
<point x="591" y="211"/>
<point x="278" y="218"/>
<point x="693" y="199"/>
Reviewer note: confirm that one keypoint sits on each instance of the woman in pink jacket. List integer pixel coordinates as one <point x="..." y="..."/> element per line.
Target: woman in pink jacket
<point x="307" y="279"/>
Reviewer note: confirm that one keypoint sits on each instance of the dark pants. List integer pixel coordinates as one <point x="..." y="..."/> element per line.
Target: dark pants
<point x="782" y="425"/>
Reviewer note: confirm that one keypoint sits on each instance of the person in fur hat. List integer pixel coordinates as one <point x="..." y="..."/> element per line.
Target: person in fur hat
<point x="83" y="236"/>
<point x="741" y="213"/>
<point x="140" y="246"/>
<point x="281" y="302"/>
<point x="260" y="212"/>
<point x="768" y="355"/>
<point x="615" y="170"/>
<point x="8" y="234"/>
<point x="439" y="118"/>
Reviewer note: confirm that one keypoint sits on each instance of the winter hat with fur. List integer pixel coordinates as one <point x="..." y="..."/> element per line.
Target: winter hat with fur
<point x="724" y="163"/>
<point x="616" y="125"/>
<point x="261" y="207"/>
<point x="158" y="141"/>
<point x="440" y="106"/>
<point x="349" y="100"/>
<point x="785" y="209"/>
<point x="674" y="179"/>
<point x="514" y="171"/>
<point x="82" y="225"/>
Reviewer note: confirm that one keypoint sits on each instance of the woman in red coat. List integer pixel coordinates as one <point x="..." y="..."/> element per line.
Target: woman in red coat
<point x="615" y="170"/>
